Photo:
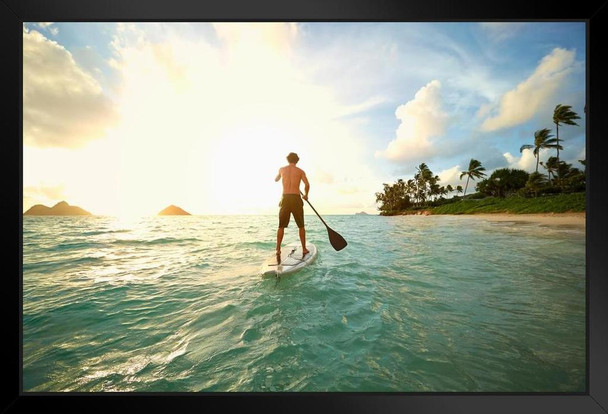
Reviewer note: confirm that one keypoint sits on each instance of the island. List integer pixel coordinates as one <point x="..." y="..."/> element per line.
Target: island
<point x="60" y="209"/>
<point x="173" y="211"/>
<point x="361" y="213"/>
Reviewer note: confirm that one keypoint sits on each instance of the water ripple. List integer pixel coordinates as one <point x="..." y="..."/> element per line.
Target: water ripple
<point x="412" y="304"/>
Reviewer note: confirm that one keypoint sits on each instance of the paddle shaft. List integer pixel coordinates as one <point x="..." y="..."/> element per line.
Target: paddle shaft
<point x="337" y="241"/>
<point x="313" y="209"/>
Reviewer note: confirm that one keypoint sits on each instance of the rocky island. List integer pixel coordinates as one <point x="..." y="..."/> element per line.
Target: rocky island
<point x="60" y="209"/>
<point x="173" y="211"/>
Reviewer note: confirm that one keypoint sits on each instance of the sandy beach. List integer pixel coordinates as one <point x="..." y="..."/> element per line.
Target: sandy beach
<point x="548" y="219"/>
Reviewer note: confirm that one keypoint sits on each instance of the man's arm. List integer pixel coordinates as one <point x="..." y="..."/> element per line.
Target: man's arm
<point x="306" y="186"/>
<point x="278" y="177"/>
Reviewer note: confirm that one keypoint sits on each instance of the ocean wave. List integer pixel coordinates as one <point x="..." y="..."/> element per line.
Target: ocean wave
<point x="55" y="265"/>
<point x="98" y="232"/>
<point x="80" y="245"/>
<point x="181" y="307"/>
<point x="158" y="241"/>
<point x="266" y="245"/>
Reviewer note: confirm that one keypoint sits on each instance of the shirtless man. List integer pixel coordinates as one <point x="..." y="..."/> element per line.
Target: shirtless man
<point x="291" y="203"/>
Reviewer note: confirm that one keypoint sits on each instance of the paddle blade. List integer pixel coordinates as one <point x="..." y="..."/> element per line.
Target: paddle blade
<point x="336" y="240"/>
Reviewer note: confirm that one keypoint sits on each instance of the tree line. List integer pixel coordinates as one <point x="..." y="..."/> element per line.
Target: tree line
<point x="424" y="190"/>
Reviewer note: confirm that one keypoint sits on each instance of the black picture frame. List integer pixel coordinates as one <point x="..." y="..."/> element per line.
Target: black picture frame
<point x="595" y="13"/>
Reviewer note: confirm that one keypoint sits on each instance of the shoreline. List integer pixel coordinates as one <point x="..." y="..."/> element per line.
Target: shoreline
<point x="571" y="219"/>
<point x="550" y="219"/>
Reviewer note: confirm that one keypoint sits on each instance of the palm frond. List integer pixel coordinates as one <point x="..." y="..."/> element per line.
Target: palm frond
<point x="563" y="114"/>
<point x="525" y="146"/>
<point x="543" y="134"/>
<point x="473" y="164"/>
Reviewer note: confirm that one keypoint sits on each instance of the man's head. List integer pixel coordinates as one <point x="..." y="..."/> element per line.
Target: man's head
<point x="293" y="158"/>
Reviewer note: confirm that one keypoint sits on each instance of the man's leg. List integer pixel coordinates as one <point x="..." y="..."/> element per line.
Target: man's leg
<point x="283" y="222"/>
<point x="303" y="240"/>
<point x="298" y="216"/>
<point x="280" y="233"/>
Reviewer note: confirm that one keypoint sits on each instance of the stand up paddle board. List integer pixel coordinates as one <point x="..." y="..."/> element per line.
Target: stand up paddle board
<point x="291" y="260"/>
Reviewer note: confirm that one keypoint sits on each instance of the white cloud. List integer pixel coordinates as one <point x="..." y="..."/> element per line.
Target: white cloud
<point x="362" y="106"/>
<point x="63" y="106"/>
<point x="483" y="111"/>
<point x="200" y="108"/>
<point x="450" y="176"/>
<point x="527" y="160"/>
<point x="271" y="37"/>
<point x="522" y="103"/>
<point x="49" y="26"/>
<point x="501" y="31"/>
<point x="195" y="106"/>
<point x="422" y="119"/>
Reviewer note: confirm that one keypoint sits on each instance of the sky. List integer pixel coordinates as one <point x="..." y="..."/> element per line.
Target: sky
<point x="124" y="119"/>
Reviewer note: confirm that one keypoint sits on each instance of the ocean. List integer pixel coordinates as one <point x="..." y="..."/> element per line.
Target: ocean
<point x="412" y="304"/>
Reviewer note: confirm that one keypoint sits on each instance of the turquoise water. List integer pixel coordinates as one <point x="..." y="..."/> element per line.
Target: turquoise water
<point x="413" y="304"/>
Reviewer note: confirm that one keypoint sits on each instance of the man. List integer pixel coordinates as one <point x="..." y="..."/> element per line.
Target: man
<point x="291" y="203"/>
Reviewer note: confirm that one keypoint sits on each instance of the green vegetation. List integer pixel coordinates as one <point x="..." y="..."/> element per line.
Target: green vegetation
<point x="503" y="182"/>
<point x="414" y="193"/>
<point x="506" y="190"/>
<point x="561" y="189"/>
<point x="559" y="203"/>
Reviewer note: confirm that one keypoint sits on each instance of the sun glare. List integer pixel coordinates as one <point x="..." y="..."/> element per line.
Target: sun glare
<point x="243" y="167"/>
<point x="204" y="126"/>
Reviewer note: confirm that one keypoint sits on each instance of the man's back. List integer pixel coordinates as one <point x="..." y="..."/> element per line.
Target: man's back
<point x="291" y="176"/>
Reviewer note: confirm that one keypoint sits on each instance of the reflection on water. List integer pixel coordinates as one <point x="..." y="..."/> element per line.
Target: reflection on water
<point x="436" y="303"/>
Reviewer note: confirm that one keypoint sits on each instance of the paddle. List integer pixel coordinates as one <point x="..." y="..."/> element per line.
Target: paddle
<point x="335" y="239"/>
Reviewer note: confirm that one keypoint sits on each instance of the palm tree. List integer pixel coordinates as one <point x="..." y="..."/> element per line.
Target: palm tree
<point x="458" y="189"/>
<point x="475" y="171"/>
<point x="542" y="139"/>
<point x="563" y="114"/>
<point x="423" y="177"/>
<point x="410" y="189"/>
<point x="535" y="183"/>
<point x="435" y="188"/>
<point x="552" y="167"/>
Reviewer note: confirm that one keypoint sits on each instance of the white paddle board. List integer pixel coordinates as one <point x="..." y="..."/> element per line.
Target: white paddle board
<point x="291" y="260"/>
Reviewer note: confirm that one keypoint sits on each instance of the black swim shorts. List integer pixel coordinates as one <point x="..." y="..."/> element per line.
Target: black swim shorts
<point x="291" y="204"/>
